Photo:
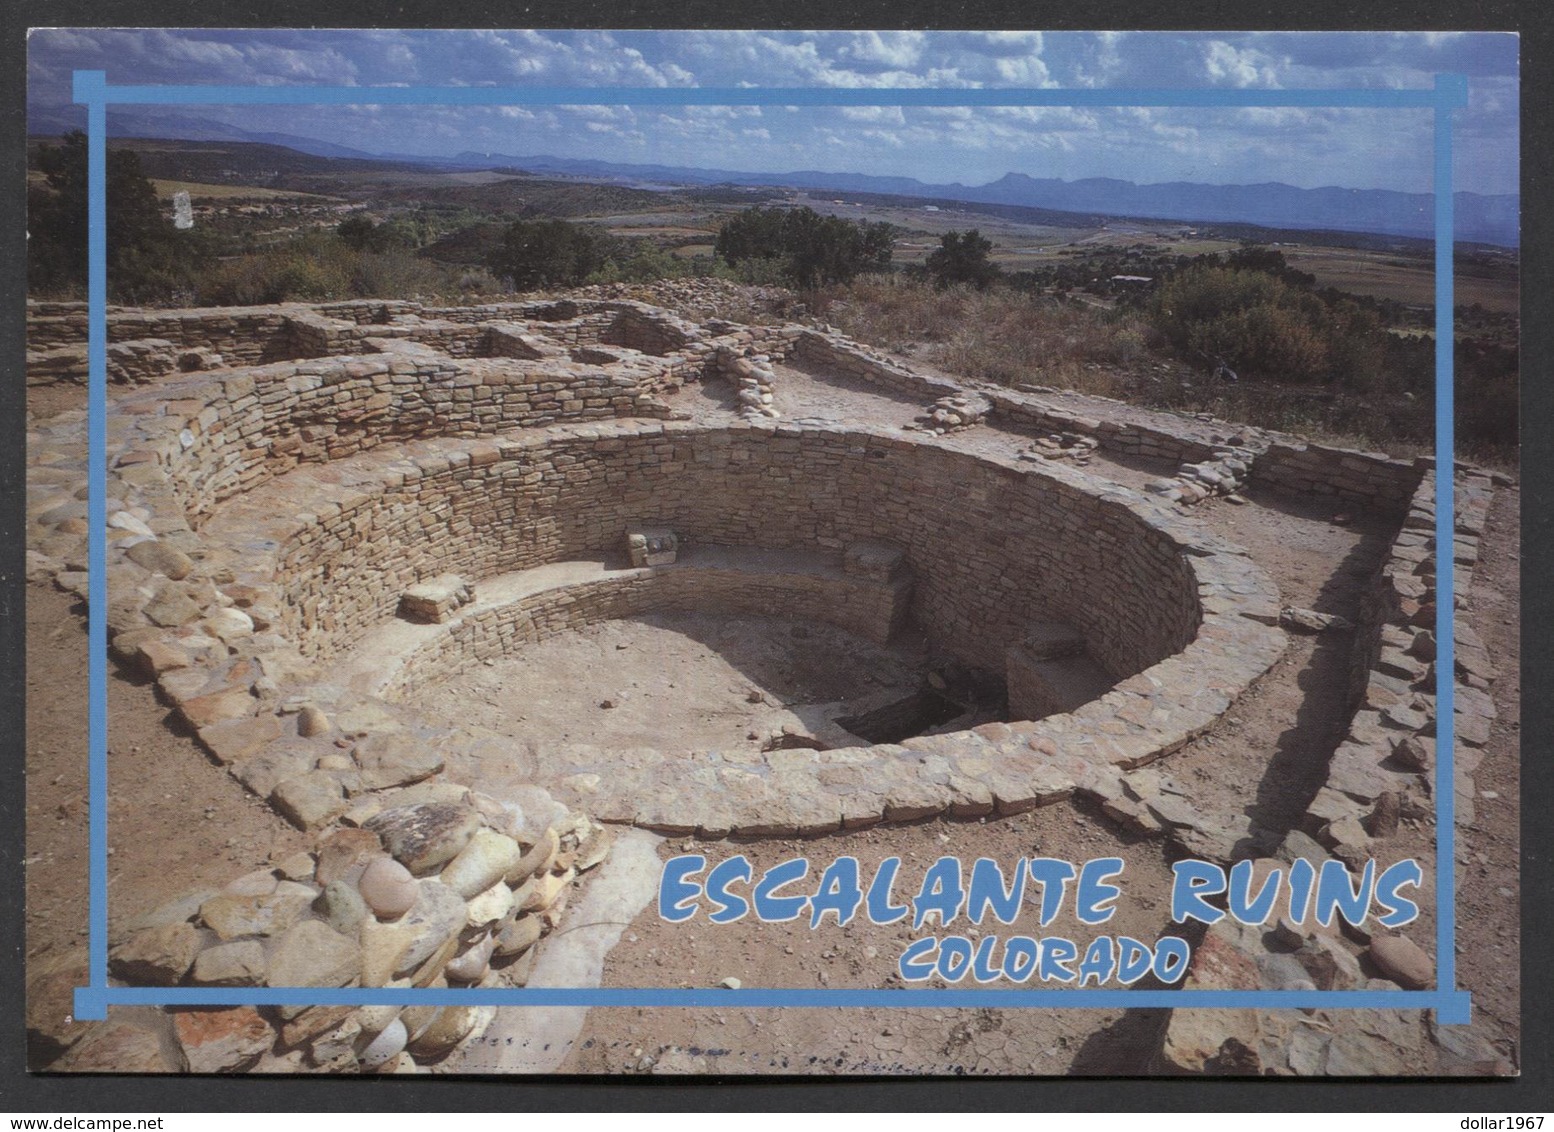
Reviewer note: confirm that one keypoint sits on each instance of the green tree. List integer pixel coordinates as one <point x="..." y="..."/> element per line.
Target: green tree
<point x="755" y="233"/>
<point x="360" y="234"/>
<point x="962" y="257"/>
<point x="547" y="253"/>
<point x="807" y="249"/>
<point x="1271" y="261"/>
<point x="147" y="257"/>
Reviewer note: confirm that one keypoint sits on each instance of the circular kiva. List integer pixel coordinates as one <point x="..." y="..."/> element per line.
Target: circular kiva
<point x="309" y="563"/>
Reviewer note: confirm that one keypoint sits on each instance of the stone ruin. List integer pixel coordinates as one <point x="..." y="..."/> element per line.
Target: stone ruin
<point x="317" y="510"/>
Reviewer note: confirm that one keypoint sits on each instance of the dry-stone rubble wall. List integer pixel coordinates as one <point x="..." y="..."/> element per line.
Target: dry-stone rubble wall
<point x="1381" y="774"/>
<point x="571" y="493"/>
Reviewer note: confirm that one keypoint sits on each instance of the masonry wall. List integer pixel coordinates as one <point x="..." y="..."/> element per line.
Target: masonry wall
<point x="992" y="546"/>
<point x="242" y="335"/>
<point x="1366" y="478"/>
<point x="1395" y="582"/>
<point x="866" y="608"/>
<point x="841" y="356"/>
<point x="266" y="421"/>
<point x="1392" y="674"/>
<point x="1115" y="436"/>
<point x="253" y="335"/>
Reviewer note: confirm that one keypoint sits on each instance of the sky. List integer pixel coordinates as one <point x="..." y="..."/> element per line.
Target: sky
<point x="1309" y="148"/>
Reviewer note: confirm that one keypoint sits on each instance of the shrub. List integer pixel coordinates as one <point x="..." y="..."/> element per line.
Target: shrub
<point x="358" y="232"/>
<point x="547" y="253"/>
<point x="962" y="257"/>
<point x="395" y="274"/>
<point x="1265" y="327"/>
<point x="801" y="247"/>
<point x="310" y="268"/>
<point x="999" y="334"/>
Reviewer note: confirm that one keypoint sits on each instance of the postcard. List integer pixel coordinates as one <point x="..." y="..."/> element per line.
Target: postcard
<point x="768" y="553"/>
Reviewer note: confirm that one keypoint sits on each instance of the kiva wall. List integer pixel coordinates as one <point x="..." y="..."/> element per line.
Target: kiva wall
<point x="991" y="545"/>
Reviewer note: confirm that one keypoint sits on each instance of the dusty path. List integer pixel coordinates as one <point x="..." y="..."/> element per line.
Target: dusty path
<point x="865" y="955"/>
<point x="176" y="820"/>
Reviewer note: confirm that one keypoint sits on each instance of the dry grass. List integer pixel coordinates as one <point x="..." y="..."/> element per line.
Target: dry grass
<point x="1012" y="338"/>
<point x="1387" y="277"/>
<point x="998" y="335"/>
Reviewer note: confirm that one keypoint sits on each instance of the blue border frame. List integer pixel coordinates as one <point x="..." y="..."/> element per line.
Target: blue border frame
<point x="1450" y="92"/>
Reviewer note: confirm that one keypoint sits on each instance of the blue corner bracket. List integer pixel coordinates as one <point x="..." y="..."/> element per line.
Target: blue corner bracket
<point x="91" y="88"/>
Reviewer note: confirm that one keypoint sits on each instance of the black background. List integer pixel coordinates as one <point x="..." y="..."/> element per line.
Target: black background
<point x="23" y="1093"/>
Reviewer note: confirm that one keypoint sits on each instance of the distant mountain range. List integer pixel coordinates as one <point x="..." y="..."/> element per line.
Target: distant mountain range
<point x="1479" y="218"/>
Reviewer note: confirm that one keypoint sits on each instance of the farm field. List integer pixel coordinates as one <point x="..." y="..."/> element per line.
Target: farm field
<point x="1388" y="277"/>
<point x="199" y="191"/>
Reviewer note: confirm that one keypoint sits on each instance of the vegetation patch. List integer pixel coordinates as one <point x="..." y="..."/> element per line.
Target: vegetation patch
<point x="1332" y="341"/>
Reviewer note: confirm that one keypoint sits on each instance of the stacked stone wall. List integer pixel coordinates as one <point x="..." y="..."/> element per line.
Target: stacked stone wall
<point x="263" y="422"/>
<point x="522" y="503"/>
<point x="1369" y="479"/>
<point x="1365" y="478"/>
<point x="242" y="335"/>
<point x="839" y="355"/>
<point x="869" y="609"/>
<point x="1383" y="771"/>
<point x="1389" y="748"/>
<point x="1130" y="438"/>
<point x="320" y="556"/>
<point x="217" y="614"/>
<point x="362" y="311"/>
<point x="638" y="331"/>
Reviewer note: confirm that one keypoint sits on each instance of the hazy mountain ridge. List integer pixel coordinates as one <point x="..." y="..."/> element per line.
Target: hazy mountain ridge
<point x="1479" y="218"/>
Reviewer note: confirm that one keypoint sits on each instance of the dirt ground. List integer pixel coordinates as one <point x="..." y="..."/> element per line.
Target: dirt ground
<point x="674" y="680"/>
<point x="1489" y="847"/>
<point x="864" y="955"/>
<point x="177" y="821"/>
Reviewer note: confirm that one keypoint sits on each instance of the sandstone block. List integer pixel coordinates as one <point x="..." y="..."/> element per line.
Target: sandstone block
<point x="422" y="837"/>
<point x="158" y="956"/>
<point x="312" y="954"/>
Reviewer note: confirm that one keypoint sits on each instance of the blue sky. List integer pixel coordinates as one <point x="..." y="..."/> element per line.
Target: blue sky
<point x="1309" y="148"/>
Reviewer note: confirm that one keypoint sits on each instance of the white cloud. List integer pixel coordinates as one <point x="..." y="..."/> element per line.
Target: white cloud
<point x="896" y="49"/>
<point x="1024" y="70"/>
<point x="1240" y="67"/>
<point x="278" y="63"/>
<point x="1006" y="43"/>
<point x="885" y="115"/>
<point x="888" y="138"/>
<point x="947" y="143"/>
